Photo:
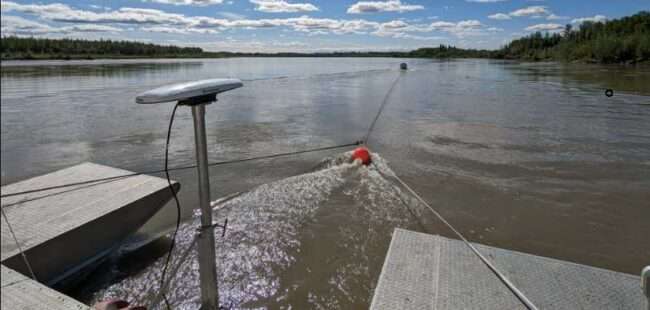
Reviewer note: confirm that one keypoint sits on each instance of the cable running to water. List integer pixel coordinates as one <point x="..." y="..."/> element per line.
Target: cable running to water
<point x="270" y="156"/>
<point x="381" y="109"/>
<point x="524" y="300"/>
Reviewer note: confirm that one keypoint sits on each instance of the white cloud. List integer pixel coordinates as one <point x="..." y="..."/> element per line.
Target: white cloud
<point x="399" y="29"/>
<point x="164" y="29"/>
<point x="99" y="7"/>
<point x="382" y="6"/>
<point x="556" y="17"/>
<point x="188" y="2"/>
<point x="64" y="13"/>
<point x="231" y="15"/>
<point x="499" y="16"/>
<point x="158" y="21"/>
<point x="151" y="17"/>
<point x="597" y="18"/>
<point x="90" y="28"/>
<point x="536" y="11"/>
<point x="544" y="27"/>
<point x="281" y="6"/>
<point x="485" y="1"/>
<point x="15" y="25"/>
<point x="359" y="26"/>
<point x="395" y="24"/>
<point x="459" y="29"/>
<point x="469" y="24"/>
<point x="419" y="38"/>
<point x="441" y="25"/>
<point x="176" y="30"/>
<point x="530" y="11"/>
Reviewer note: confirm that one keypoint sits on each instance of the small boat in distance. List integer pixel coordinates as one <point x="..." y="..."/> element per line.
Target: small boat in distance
<point x="403" y="66"/>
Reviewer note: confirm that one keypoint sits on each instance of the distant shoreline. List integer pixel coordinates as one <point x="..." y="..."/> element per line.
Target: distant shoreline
<point x="619" y="41"/>
<point x="101" y="57"/>
<point x="74" y="58"/>
<point x="471" y="54"/>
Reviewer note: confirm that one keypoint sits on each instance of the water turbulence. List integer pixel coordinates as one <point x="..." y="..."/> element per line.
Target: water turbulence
<point x="315" y="240"/>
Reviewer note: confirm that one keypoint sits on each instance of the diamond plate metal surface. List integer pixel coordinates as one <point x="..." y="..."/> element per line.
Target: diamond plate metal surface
<point x="424" y="271"/>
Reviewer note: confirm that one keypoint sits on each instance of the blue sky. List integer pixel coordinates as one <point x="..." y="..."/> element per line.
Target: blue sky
<point x="306" y="25"/>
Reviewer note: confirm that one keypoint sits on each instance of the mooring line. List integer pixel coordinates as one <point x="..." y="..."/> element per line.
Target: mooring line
<point x="520" y="295"/>
<point x="270" y="156"/>
<point x="381" y="109"/>
<point x="524" y="300"/>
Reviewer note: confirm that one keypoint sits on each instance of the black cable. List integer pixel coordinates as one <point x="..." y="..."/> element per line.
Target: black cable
<point x="183" y="168"/>
<point x="381" y="109"/>
<point x="178" y="208"/>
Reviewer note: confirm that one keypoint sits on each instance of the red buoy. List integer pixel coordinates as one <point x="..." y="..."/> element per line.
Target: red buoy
<point x="363" y="154"/>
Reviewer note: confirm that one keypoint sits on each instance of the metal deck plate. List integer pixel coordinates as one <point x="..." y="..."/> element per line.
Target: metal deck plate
<point x="64" y="229"/>
<point x="22" y="293"/>
<point x="39" y="217"/>
<point x="424" y="271"/>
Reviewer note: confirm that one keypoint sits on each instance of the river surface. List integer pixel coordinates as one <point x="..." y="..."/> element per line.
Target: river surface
<point x="529" y="157"/>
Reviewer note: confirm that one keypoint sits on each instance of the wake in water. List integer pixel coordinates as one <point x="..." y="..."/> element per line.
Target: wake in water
<point x="316" y="240"/>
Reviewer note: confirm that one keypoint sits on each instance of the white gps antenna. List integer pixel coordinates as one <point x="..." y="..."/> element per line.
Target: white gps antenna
<point x="190" y="93"/>
<point x="197" y="95"/>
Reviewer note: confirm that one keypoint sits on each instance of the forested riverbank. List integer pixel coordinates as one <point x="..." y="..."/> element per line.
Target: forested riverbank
<point x="624" y="40"/>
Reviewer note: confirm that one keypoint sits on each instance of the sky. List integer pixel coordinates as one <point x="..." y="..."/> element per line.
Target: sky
<point x="306" y="25"/>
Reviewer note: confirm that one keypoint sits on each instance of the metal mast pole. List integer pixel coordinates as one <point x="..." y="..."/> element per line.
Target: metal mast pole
<point x="198" y="94"/>
<point x="207" y="261"/>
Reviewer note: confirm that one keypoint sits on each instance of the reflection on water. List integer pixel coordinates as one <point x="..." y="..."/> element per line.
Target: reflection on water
<point x="531" y="157"/>
<point x="618" y="78"/>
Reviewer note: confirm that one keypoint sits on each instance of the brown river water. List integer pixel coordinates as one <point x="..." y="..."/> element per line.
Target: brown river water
<point x="529" y="157"/>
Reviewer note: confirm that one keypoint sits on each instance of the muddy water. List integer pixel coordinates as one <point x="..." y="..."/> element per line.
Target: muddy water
<point x="530" y="157"/>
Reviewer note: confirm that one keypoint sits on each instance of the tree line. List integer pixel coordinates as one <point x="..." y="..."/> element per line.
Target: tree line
<point x="616" y="41"/>
<point x="625" y="40"/>
<point x="34" y="48"/>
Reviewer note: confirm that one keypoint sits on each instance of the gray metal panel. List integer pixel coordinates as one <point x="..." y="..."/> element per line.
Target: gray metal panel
<point x="461" y="281"/>
<point x="21" y="293"/>
<point x="61" y="210"/>
<point x="9" y="276"/>
<point x="64" y="229"/>
<point x="408" y="278"/>
<point x="556" y="284"/>
<point x="466" y="283"/>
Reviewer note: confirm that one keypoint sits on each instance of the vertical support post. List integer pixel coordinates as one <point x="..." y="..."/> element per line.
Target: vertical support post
<point x="207" y="262"/>
<point x="645" y="284"/>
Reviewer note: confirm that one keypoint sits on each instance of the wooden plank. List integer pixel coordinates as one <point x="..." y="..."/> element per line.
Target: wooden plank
<point x="432" y="272"/>
<point x="83" y="219"/>
<point x="22" y="293"/>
